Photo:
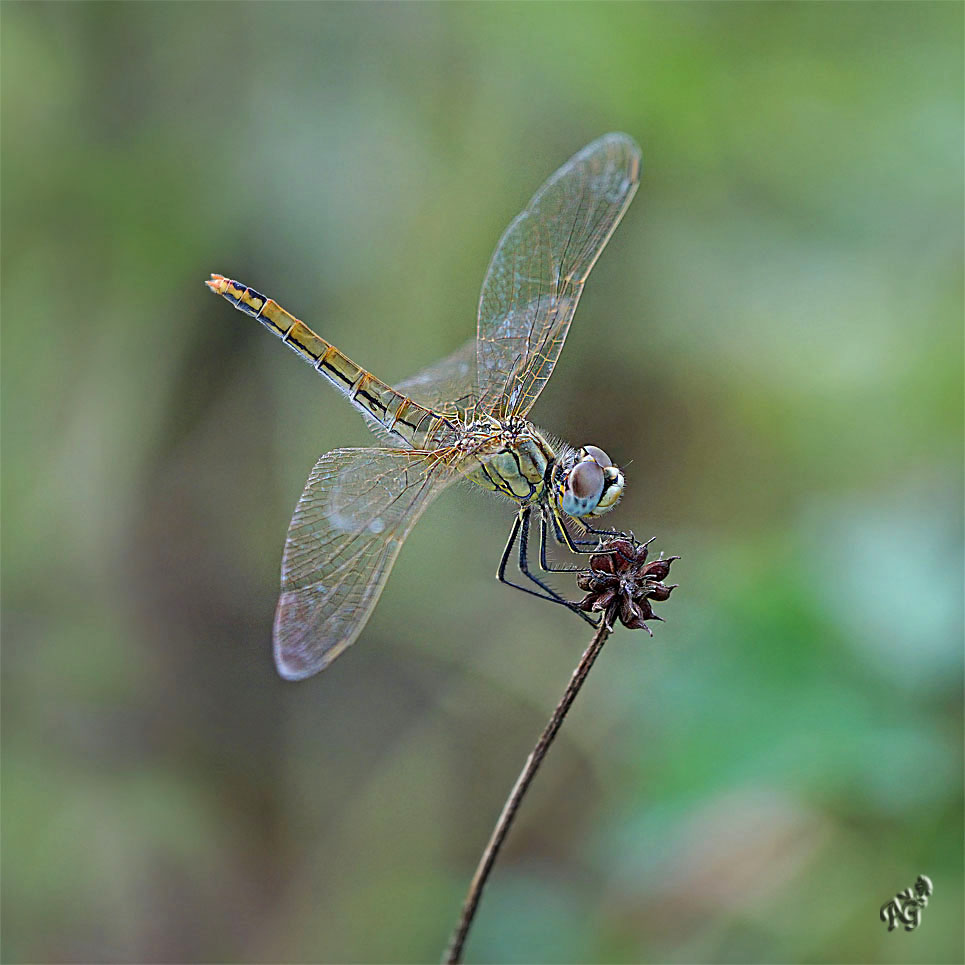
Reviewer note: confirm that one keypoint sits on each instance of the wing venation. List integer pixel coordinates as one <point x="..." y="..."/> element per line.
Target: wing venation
<point x="447" y="386"/>
<point x="540" y="266"/>
<point x="357" y="508"/>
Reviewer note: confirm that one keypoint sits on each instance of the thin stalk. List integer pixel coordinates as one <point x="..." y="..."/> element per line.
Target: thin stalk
<point x="458" y="940"/>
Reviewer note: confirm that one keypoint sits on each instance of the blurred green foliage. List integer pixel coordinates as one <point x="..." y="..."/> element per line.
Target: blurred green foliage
<point x="772" y="342"/>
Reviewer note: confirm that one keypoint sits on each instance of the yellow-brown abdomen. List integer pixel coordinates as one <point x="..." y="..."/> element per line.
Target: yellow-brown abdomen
<point x="413" y="424"/>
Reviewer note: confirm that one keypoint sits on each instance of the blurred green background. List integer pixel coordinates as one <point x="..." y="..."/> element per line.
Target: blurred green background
<point x="772" y="342"/>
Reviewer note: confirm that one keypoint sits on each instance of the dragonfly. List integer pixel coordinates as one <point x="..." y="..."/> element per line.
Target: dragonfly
<point x="462" y="418"/>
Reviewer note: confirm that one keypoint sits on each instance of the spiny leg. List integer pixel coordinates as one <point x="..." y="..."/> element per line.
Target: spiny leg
<point x="543" y="541"/>
<point x="520" y="531"/>
<point x="610" y="533"/>
<point x="524" y="569"/>
<point x="592" y="546"/>
<point x="504" y="560"/>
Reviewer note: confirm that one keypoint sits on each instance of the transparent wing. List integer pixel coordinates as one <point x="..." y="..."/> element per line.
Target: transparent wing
<point x="357" y="508"/>
<point x="539" y="268"/>
<point x="447" y="385"/>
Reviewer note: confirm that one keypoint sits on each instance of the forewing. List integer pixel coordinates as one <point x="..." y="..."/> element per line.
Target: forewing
<point x="357" y="508"/>
<point x="539" y="268"/>
<point x="446" y="386"/>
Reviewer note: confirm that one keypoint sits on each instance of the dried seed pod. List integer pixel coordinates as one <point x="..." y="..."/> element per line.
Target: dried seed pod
<point x="621" y="583"/>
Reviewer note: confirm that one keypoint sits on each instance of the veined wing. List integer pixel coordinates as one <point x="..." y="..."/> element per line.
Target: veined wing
<point x="539" y="268"/>
<point x="357" y="508"/>
<point x="447" y="386"/>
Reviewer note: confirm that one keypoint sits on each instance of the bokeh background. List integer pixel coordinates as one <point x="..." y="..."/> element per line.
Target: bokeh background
<point x="772" y="343"/>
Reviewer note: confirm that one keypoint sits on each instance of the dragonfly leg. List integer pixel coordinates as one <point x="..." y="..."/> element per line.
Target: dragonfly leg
<point x="520" y="533"/>
<point x="514" y="535"/>
<point x="525" y="570"/>
<point x="587" y="547"/>
<point x="609" y="533"/>
<point x="563" y="536"/>
<point x="543" y="541"/>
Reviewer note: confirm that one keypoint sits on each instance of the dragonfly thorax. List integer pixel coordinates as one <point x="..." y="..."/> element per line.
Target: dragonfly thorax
<point x="510" y="457"/>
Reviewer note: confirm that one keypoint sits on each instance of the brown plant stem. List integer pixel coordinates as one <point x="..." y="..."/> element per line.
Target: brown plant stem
<point x="458" y="940"/>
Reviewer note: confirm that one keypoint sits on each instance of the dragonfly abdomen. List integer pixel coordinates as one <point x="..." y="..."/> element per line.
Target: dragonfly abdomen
<point x="419" y="427"/>
<point x="411" y="423"/>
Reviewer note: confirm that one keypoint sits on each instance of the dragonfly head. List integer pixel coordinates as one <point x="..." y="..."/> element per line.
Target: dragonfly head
<point x="589" y="484"/>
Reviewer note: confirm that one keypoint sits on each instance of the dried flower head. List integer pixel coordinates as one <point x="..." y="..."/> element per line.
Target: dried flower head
<point x="621" y="583"/>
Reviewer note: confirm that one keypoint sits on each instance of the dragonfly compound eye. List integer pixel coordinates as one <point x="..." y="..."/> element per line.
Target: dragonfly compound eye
<point x="612" y="491"/>
<point x="582" y="488"/>
<point x="598" y="455"/>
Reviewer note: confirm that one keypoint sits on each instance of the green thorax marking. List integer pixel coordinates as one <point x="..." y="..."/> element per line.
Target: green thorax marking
<point x="510" y="457"/>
